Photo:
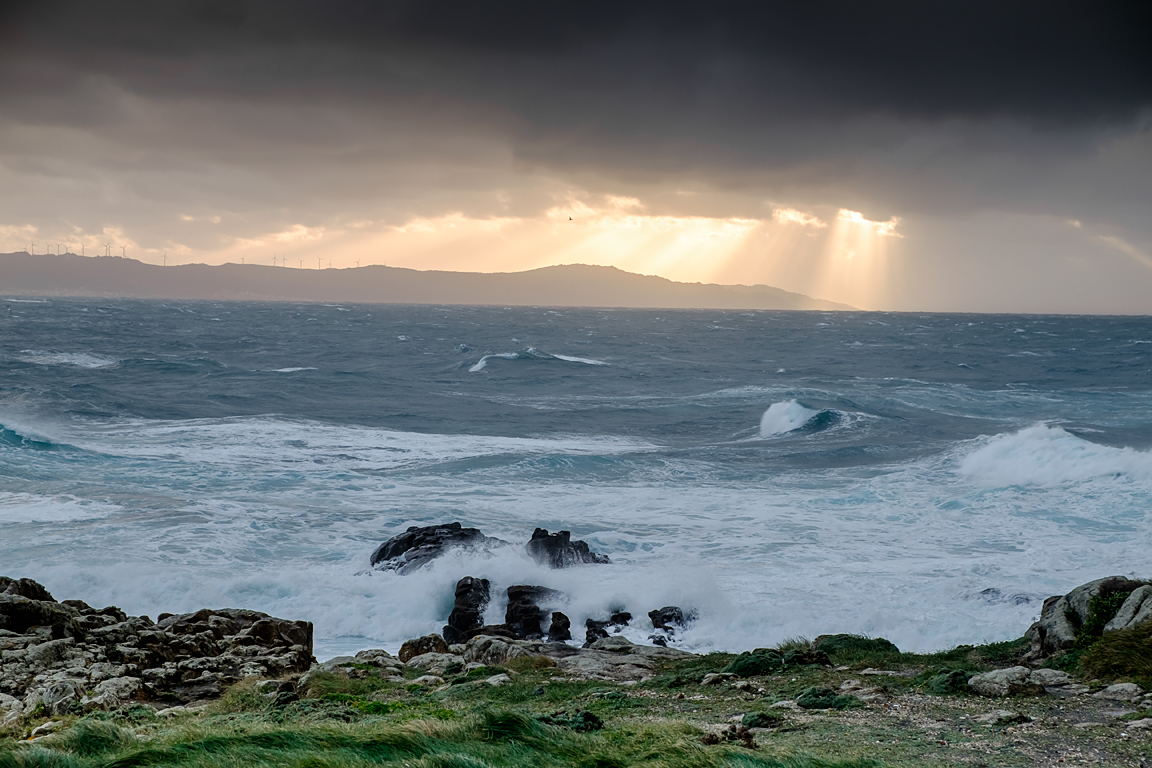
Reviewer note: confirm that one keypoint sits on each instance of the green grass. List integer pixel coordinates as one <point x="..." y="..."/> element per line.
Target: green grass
<point x="489" y="739"/>
<point x="1125" y="653"/>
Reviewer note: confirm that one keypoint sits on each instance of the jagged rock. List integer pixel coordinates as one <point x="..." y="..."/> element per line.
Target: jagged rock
<point x="1062" y="616"/>
<point x="670" y="618"/>
<point x="66" y="657"/>
<point x="557" y="550"/>
<point x="560" y="629"/>
<point x="19" y="614"/>
<point x="1136" y="609"/>
<point x="418" y="546"/>
<point x="428" y="680"/>
<point x="25" y="588"/>
<point x="467" y="615"/>
<point x="428" y="644"/>
<point x="492" y="651"/>
<point x="597" y="630"/>
<point x="594" y="630"/>
<point x="525" y="614"/>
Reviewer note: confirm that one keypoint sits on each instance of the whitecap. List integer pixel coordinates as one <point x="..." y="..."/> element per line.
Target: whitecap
<point x="585" y="360"/>
<point x="80" y="359"/>
<point x="784" y="417"/>
<point x="292" y="370"/>
<point x="1047" y="456"/>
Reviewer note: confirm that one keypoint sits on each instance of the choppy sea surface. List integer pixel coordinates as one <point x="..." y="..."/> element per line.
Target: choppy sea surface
<point x="929" y="478"/>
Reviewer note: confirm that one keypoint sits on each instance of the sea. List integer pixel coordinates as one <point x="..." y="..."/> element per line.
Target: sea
<point x="928" y="478"/>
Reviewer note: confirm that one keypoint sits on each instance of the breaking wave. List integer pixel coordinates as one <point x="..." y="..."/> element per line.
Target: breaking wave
<point x="531" y="353"/>
<point x="1047" y="456"/>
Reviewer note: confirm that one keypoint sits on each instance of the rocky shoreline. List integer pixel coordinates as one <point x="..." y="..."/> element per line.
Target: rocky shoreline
<point x="63" y="660"/>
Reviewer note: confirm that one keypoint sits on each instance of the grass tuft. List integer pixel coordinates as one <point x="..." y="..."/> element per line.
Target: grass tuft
<point x="1124" y="653"/>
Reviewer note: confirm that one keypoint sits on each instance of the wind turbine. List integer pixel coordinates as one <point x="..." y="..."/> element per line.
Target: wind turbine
<point x="123" y="251"/>
<point x="301" y="263"/>
<point x="108" y="249"/>
<point x="317" y="262"/>
<point x="357" y="263"/>
<point x="165" y="258"/>
<point x="81" y="249"/>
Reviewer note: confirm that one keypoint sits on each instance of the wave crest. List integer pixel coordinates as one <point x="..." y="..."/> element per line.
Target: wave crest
<point x="1047" y="456"/>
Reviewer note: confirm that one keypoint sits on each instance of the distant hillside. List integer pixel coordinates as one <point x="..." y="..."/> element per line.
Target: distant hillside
<point x="573" y="285"/>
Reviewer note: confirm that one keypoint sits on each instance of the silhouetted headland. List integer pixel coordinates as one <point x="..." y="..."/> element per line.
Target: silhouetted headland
<point x="572" y="285"/>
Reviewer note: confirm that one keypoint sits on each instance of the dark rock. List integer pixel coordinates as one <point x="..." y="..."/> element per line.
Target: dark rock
<point x="594" y="630"/>
<point x="419" y="546"/>
<point x="660" y="640"/>
<point x="467" y="615"/>
<point x="670" y="617"/>
<point x="525" y="614"/>
<point x="561" y="628"/>
<point x="496" y="630"/>
<point x="428" y="644"/>
<point x="19" y="614"/>
<point x="620" y="619"/>
<point x="557" y="550"/>
<point x="25" y="588"/>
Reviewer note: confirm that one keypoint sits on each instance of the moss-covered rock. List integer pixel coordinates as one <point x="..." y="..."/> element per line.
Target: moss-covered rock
<point x="815" y="697"/>
<point x="762" y="661"/>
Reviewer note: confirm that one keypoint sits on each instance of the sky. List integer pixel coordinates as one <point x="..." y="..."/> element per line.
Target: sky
<point x="903" y="155"/>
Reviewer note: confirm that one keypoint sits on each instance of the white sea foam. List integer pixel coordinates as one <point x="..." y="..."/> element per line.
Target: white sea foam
<point x="81" y="359"/>
<point x="585" y="360"/>
<point x="280" y="516"/>
<point x="781" y="418"/>
<point x="1048" y="456"/>
<point x="483" y="362"/>
<point x="291" y="370"/>
<point x="531" y="354"/>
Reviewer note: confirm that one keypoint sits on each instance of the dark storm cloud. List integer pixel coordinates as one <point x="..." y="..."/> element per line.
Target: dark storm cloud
<point x="1055" y="61"/>
<point x="268" y="114"/>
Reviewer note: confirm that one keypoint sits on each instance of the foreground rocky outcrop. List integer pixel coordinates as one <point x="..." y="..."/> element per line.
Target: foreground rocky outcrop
<point x="62" y="657"/>
<point x="1104" y="605"/>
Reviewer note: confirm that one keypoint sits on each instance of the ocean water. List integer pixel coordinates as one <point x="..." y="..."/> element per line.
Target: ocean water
<point x="928" y="478"/>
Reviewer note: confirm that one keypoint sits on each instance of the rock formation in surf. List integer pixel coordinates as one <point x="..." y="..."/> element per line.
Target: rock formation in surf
<point x="557" y="550"/>
<point x="418" y="546"/>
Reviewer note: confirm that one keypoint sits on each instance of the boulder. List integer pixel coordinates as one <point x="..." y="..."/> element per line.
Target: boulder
<point x="467" y="615"/>
<point x="560" y="630"/>
<point x="1062" y="616"/>
<point x="1013" y="681"/>
<point x="1136" y="609"/>
<point x="428" y="644"/>
<point x="616" y="659"/>
<point x="435" y="663"/>
<point x="594" y="630"/>
<point x="557" y="550"/>
<point x="1121" y="692"/>
<point x="418" y="546"/>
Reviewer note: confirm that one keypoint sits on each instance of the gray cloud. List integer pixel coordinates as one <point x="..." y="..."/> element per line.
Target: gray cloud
<point x="270" y="114"/>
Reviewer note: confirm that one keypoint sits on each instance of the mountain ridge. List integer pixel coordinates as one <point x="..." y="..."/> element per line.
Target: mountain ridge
<point x="569" y="285"/>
